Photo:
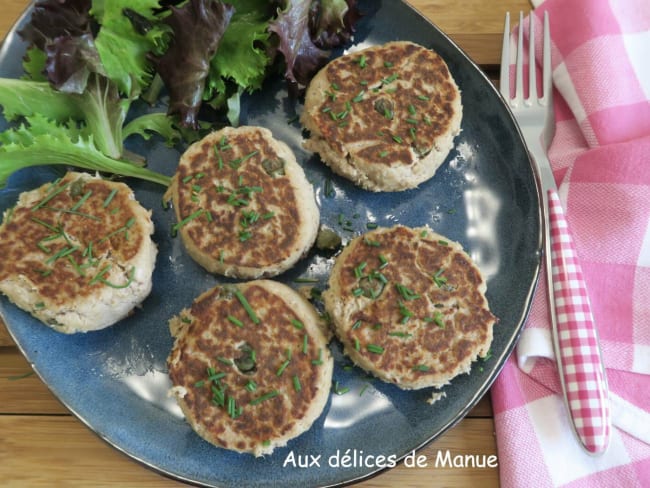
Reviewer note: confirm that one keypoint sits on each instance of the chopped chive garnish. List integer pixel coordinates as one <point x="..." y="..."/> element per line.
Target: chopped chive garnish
<point x="263" y="398"/>
<point x="397" y="139"/>
<point x="438" y="279"/>
<point x="109" y="198"/>
<point x="363" y="390"/>
<point x="437" y="318"/>
<point x="199" y="384"/>
<point x="403" y="335"/>
<point x="216" y="376"/>
<point x="296" y="383"/>
<point x="100" y="277"/>
<point x="383" y="261"/>
<point x="421" y="367"/>
<point x="297" y="324"/>
<point x="282" y="367"/>
<point x="363" y="61"/>
<point x="187" y="219"/>
<point x="374" y="348"/>
<point x="339" y="390"/>
<point x="356" y="325"/>
<point x="443" y="243"/>
<point x="358" y="271"/>
<point x="225" y="361"/>
<point x="320" y="357"/>
<point x="251" y="386"/>
<point x="304" y="344"/>
<point x="81" y="200"/>
<point x="357" y="345"/>
<point x="406" y="313"/>
<point x="235" y="321"/>
<point x="423" y="98"/>
<point x="50" y="196"/>
<point x="61" y="254"/>
<point x="405" y="292"/>
<point x="249" y="310"/>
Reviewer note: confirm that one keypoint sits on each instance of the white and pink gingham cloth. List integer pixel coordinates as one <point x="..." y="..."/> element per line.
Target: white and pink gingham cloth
<point x="601" y="160"/>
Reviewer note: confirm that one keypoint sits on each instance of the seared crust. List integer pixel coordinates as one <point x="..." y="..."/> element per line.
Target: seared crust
<point x="77" y="253"/>
<point x="384" y="117"/>
<point x="244" y="206"/>
<point x="409" y="306"/>
<point x="250" y="379"/>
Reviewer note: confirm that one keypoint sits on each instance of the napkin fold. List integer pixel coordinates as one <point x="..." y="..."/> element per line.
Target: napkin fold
<point x="601" y="160"/>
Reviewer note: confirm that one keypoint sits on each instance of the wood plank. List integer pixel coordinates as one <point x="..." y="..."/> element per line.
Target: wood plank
<point x="13" y="9"/>
<point x="59" y="451"/>
<point x="21" y="390"/>
<point x="475" y="25"/>
<point x="5" y="338"/>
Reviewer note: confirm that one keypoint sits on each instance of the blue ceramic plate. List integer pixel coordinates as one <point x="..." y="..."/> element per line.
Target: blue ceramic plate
<point x="484" y="196"/>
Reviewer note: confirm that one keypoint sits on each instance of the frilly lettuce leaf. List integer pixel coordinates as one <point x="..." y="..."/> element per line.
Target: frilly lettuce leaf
<point x="53" y="18"/>
<point x="303" y="58"/>
<point x="197" y="28"/>
<point x="129" y="32"/>
<point x="40" y="141"/>
<point x="242" y="56"/>
<point x="331" y="22"/>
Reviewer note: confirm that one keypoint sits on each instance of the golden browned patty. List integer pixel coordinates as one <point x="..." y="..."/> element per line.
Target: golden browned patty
<point x="384" y="117"/>
<point x="77" y="253"/>
<point x="409" y="306"/>
<point x="244" y="206"/>
<point x="250" y="366"/>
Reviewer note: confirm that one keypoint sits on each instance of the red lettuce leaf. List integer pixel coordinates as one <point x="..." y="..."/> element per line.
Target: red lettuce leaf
<point x="53" y="18"/>
<point x="307" y="29"/>
<point x="331" y="22"/>
<point x="70" y="62"/>
<point x="197" y="28"/>
<point x="303" y="58"/>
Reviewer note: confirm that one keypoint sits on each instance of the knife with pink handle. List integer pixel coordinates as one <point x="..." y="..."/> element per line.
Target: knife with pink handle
<point x="577" y="352"/>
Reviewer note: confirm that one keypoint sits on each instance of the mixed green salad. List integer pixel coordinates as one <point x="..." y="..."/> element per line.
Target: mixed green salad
<point x="89" y="61"/>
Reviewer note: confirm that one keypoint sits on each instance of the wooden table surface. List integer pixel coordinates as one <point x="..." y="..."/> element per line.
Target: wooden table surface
<point x="42" y="444"/>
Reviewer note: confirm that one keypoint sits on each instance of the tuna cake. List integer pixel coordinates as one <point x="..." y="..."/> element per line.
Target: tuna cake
<point x="250" y="366"/>
<point x="243" y="205"/>
<point x="409" y="306"/>
<point x="77" y="253"/>
<point x="384" y="117"/>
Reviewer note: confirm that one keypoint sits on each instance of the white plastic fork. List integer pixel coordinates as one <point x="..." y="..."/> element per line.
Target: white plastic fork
<point x="580" y="366"/>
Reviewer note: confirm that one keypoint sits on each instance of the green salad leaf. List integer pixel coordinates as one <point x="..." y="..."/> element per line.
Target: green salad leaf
<point x="88" y="61"/>
<point x="39" y="141"/>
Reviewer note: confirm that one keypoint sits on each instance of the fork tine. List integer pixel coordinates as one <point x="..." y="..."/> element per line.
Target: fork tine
<point x="547" y="73"/>
<point x="504" y="79"/>
<point x="519" y="68"/>
<point x="532" y="76"/>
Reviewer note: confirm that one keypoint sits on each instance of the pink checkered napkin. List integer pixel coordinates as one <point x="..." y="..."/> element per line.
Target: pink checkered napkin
<point x="601" y="159"/>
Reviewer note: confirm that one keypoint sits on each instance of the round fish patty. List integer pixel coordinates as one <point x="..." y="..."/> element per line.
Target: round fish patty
<point x="77" y="253"/>
<point x="244" y="206"/>
<point x="409" y="306"/>
<point x="384" y="117"/>
<point x="250" y="366"/>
